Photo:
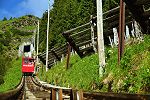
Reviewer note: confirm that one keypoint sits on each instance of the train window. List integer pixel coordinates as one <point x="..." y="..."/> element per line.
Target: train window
<point x="26" y="60"/>
<point x="31" y="60"/>
<point x="27" y="48"/>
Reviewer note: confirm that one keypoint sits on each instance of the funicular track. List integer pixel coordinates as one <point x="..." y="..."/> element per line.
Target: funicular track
<point x="31" y="89"/>
<point x="62" y="93"/>
<point x="27" y="89"/>
<point x="34" y="91"/>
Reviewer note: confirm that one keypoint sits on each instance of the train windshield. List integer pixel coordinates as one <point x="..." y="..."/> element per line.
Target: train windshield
<point x="28" y="60"/>
<point x="27" y="48"/>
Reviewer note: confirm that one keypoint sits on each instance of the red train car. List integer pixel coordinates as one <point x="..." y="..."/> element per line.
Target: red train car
<point x="28" y="65"/>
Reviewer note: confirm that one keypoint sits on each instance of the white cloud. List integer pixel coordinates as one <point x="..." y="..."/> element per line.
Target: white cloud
<point x="35" y="7"/>
<point x="25" y="7"/>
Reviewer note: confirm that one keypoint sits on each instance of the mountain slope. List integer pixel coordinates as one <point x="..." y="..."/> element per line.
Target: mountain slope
<point x="12" y="33"/>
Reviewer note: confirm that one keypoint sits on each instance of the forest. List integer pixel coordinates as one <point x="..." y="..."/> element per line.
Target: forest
<point x="67" y="15"/>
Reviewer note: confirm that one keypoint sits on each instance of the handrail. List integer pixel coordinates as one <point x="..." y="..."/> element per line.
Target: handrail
<point x="95" y="95"/>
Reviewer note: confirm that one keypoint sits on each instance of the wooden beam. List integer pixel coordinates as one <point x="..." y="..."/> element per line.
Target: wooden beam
<point x="72" y="44"/>
<point x="83" y="37"/>
<point x="81" y="32"/>
<point x="109" y="31"/>
<point x="69" y="31"/>
<point x="115" y="17"/>
<point x="116" y="23"/>
<point x="81" y="40"/>
<point x="62" y="52"/>
<point x="111" y="12"/>
<point x="83" y="43"/>
<point x="59" y="47"/>
<point x="55" y="55"/>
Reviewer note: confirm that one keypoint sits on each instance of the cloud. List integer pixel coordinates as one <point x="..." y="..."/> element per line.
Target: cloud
<point x="24" y="7"/>
<point x="35" y="7"/>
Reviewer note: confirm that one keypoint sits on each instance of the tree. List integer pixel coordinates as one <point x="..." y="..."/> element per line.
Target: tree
<point x="4" y="19"/>
<point x="10" y="18"/>
<point x="64" y="16"/>
<point x="109" y="4"/>
<point x="67" y="15"/>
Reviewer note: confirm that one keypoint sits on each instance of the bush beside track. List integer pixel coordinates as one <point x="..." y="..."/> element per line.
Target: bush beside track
<point x="12" y="76"/>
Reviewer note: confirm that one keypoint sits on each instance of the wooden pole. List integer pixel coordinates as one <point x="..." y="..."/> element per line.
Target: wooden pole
<point x="53" y="94"/>
<point x="68" y="56"/>
<point x="47" y="37"/>
<point x="72" y="44"/>
<point x="121" y="31"/>
<point x="80" y="93"/>
<point x="60" y="94"/>
<point x="100" y="37"/>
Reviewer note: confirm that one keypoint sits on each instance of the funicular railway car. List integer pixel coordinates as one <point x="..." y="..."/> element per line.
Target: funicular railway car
<point x="28" y="63"/>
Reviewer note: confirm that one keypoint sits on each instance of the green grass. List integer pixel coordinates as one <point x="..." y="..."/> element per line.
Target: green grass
<point x="78" y="76"/>
<point x="12" y="76"/>
<point x="133" y="74"/>
<point x="28" y="28"/>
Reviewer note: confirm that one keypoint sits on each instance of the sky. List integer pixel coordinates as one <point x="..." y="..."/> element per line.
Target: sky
<point x="17" y="8"/>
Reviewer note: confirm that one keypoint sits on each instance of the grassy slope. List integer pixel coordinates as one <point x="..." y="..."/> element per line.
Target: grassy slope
<point x="17" y="33"/>
<point x="131" y="76"/>
<point x="79" y="75"/>
<point x="13" y="76"/>
<point x="9" y="23"/>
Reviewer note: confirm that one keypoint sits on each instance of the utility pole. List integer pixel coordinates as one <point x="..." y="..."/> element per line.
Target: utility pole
<point x="37" y="47"/>
<point x="47" y="37"/>
<point x="34" y="40"/>
<point x="100" y="38"/>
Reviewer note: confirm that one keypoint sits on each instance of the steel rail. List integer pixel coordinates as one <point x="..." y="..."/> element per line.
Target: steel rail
<point x="14" y="93"/>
